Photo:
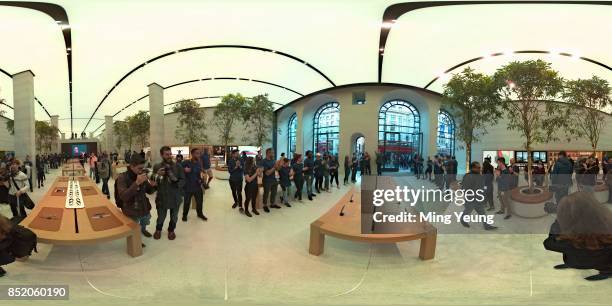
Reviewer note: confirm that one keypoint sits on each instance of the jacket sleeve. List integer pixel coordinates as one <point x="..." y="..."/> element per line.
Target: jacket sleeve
<point x="26" y="185"/>
<point x="126" y="193"/>
<point x="181" y="178"/>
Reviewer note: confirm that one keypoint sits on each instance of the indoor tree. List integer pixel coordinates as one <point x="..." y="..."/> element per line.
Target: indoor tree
<point x="46" y="135"/>
<point x="122" y="134"/>
<point x="227" y="113"/>
<point x="138" y="125"/>
<point x="473" y="100"/>
<point x="588" y="97"/>
<point x="259" y="112"/>
<point x="191" y="122"/>
<point x="528" y="91"/>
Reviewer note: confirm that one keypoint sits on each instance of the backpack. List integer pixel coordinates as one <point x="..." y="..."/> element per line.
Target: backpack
<point x="23" y="242"/>
<point x="118" y="201"/>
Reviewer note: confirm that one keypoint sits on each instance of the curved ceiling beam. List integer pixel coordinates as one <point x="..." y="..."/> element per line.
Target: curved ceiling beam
<point x="520" y="52"/>
<point x="295" y="58"/>
<point x="58" y="13"/>
<point x="198" y="98"/>
<point x="393" y="12"/>
<point x="202" y="80"/>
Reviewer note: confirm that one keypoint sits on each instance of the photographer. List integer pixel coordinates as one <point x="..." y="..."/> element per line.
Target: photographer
<point x="5" y="256"/>
<point x="131" y="188"/>
<point x="18" y="186"/>
<point x="170" y="180"/>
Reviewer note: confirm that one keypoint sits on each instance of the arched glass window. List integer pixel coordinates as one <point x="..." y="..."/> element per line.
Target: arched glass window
<point x="399" y="134"/>
<point x="326" y="128"/>
<point x="446" y="133"/>
<point x="291" y="134"/>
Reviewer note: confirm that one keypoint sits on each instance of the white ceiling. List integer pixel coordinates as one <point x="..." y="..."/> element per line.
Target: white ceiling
<point x="339" y="37"/>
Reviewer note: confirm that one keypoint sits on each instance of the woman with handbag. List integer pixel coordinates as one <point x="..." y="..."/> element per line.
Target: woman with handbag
<point x="18" y="191"/>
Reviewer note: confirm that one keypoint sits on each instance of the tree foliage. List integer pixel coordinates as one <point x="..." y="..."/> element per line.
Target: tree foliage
<point x="122" y="134"/>
<point x="227" y="113"/>
<point x="529" y="89"/>
<point x="259" y="112"/>
<point x="46" y="136"/>
<point x="588" y="96"/>
<point x="473" y="100"/>
<point x="139" y="124"/>
<point x="191" y="122"/>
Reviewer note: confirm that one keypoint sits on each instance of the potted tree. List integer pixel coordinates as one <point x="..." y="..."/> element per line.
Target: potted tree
<point x="123" y="135"/>
<point x="259" y="111"/>
<point x="227" y="114"/>
<point x="191" y="123"/>
<point x="138" y="125"/>
<point x="528" y="91"/>
<point x="588" y="98"/>
<point x="473" y="100"/>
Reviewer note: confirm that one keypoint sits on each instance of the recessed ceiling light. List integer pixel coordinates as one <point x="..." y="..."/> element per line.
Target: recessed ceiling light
<point x="387" y="25"/>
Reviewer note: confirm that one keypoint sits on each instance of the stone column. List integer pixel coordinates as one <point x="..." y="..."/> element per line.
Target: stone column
<point x="156" y="130"/>
<point x="23" y="100"/>
<point x="109" y="133"/>
<point x="55" y="122"/>
<point x="299" y="139"/>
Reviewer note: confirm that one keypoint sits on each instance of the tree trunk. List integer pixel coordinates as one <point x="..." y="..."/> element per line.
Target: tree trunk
<point x="529" y="167"/>
<point x="468" y="156"/>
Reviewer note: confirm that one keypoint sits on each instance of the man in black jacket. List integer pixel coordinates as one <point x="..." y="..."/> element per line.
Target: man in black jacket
<point x="561" y="176"/>
<point x="131" y="192"/>
<point x="170" y="180"/>
<point x="489" y="176"/>
<point x="474" y="181"/>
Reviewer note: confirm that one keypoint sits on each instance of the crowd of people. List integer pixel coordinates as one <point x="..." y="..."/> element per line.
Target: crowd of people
<point x="582" y="231"/>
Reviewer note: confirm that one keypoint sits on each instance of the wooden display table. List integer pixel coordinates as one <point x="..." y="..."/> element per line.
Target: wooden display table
<point x="74" y="161"/>
<point x="348" y="227"/>
<point x="98" y="222"/>
<point x="73" y="169"/>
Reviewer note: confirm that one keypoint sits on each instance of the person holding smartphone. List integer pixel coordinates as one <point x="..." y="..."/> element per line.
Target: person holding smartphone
<point x="131" y="188"/>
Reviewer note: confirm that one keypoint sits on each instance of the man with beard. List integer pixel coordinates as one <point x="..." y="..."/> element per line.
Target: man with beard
<point x="170" y="180"/>
<point x="131" y="189"/>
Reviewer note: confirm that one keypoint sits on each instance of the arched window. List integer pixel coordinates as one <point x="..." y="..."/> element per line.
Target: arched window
<point x="399" y="134"/>
<point x="446" y="133"/>
<point x="291" y="134"/>
<point x="326" y="128"/>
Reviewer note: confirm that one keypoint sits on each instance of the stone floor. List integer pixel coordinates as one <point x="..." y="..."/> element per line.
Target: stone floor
<point x="235" y="260"/>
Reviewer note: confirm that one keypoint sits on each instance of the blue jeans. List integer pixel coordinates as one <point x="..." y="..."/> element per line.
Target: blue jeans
<point x="161" y="217"/>
<point x="143" y="221"/>
<point x="308" y="178"/>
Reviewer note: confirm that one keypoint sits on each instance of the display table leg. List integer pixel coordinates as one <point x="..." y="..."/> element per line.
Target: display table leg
<point x="134" y="243"/>
<point x="259" y="201"/>
<point x="317" y="240"/>
<point x="428" y="246"/>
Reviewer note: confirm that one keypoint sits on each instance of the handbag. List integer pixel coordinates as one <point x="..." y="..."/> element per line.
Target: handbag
<point x="24" y="198"/>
